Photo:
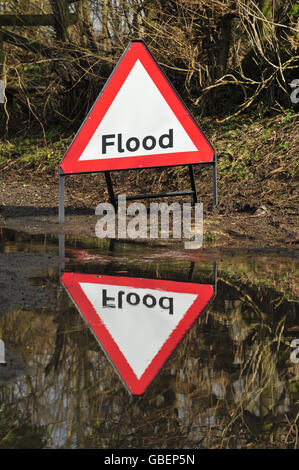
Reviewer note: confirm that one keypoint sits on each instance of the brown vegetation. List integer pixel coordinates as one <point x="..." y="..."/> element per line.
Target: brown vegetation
<point x="222" y="55"/>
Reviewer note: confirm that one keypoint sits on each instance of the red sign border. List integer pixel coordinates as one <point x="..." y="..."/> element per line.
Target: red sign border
<point x="137" y="386"/>
<point x="136" y="50"/>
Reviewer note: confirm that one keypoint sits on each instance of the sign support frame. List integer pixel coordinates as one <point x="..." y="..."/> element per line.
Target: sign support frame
<point x="112" y="197"/>
<point x="214" y="177"/>
<point x="192" y="192"/>
<point x="61" y="209"/>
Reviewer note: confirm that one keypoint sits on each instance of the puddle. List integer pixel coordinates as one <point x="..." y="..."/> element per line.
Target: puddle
<point x="224" y="379"/>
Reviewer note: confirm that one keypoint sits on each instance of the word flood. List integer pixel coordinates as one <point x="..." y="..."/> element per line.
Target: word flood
<point x="133" y="143"/>
<point x="134" y="299"/>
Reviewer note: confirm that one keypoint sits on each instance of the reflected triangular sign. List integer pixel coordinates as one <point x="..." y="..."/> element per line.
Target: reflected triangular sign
<point x="138" y="322"/>
<point x="138" y="121"/>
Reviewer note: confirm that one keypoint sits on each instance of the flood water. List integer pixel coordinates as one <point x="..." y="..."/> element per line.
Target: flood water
<point x="226" y="381"/>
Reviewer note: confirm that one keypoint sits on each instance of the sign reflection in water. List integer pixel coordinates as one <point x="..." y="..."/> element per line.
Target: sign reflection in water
<point x="229" y="384"/>
<point x="2" y="353"/>
<point x="138" y="322"/>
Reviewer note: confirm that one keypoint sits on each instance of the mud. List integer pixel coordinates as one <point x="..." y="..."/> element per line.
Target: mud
<point x="17" y="289"/>
<point x="30" y="203"/>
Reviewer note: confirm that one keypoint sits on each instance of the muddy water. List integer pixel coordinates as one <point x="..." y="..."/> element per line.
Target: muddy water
<point x="230" y="382"/>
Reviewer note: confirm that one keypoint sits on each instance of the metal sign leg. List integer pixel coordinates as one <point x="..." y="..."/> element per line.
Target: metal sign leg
<point x="193" y="185"/>
<point x="61" y="199"/>
<point x="61" y="241"/>
<point x="191" y="270"/>
<point x="110" y="189"/>
<point x="214" y="169"/>
<point x="215" y="276"/>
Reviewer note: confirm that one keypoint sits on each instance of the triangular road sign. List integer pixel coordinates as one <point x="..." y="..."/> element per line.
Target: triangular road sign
<point x="137" y="121"/>
<point x="138" y="322"/>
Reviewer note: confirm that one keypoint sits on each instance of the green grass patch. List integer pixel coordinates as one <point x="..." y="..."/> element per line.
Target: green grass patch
<point x="38" y="149"/>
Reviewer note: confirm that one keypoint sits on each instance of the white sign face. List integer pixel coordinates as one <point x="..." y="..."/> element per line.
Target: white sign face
<point x="139" y="320"/>
<point x="139" y="122"/>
